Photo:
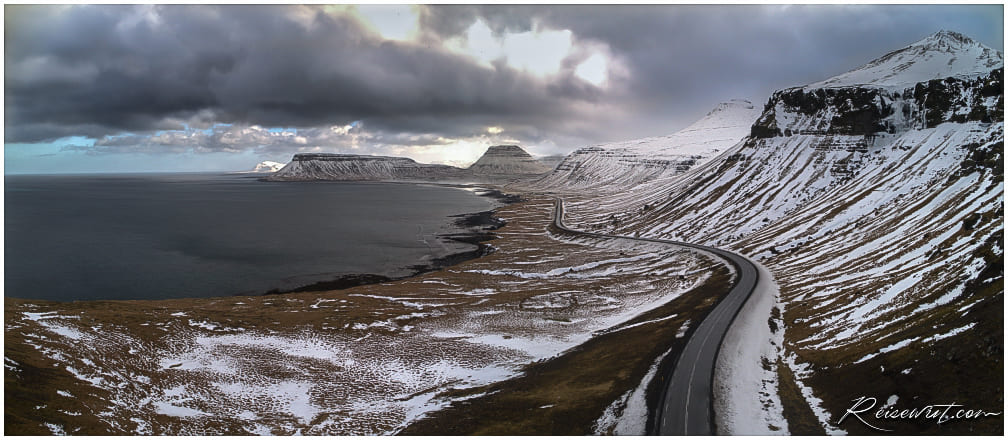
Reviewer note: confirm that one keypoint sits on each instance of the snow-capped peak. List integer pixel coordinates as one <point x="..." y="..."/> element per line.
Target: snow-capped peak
<point x="940" y="55"/>
<point x="721" y="128"/>
<point x="733" y="113"/>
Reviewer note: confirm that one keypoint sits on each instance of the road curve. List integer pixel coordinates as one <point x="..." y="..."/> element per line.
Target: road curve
<point x="687" y="406"/>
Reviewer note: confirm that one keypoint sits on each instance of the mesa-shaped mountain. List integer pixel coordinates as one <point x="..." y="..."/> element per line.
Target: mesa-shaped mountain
<point x="497" y="163"/>
<point x="621" y="165"/>
<point x="876" y="200"/>
<point x="353" y="167"/>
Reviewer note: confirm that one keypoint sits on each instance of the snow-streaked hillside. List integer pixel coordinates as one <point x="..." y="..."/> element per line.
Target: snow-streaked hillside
<point x="621" y="165"/>
<point x="879" y="211"/>
<point x="940" y="55"/>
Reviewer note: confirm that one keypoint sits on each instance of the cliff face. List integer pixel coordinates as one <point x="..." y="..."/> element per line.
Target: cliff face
<point x="507" y="160"/>
<point x="868" y="111"/>
<point x="352" y="167"/>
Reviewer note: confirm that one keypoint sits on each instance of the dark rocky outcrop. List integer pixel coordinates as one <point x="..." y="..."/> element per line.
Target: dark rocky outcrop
<point x="866" y="111"/>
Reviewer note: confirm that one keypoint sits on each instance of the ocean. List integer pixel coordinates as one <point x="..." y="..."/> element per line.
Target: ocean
<point x="157" y="236"/>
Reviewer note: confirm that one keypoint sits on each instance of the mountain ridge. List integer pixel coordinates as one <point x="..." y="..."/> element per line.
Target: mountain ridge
<point x="937" y="56"/>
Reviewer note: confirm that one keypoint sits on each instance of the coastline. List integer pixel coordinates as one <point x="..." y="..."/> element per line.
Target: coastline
<point x="470" y="228"/>
<point x="476" y="229"/>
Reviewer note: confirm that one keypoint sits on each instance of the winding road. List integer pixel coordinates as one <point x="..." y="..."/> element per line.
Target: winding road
<point x="687" y="405"/>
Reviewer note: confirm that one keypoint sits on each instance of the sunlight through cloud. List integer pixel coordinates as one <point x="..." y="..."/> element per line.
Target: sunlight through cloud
<point x="593" y="69"/>
<point x="392" y="22"/>
<point x="540" y="52"/>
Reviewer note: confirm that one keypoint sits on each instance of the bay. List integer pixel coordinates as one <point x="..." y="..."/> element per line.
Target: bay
<point x="155" y="236"/>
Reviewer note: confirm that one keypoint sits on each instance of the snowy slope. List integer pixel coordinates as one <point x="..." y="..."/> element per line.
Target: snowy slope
<point x="879" y="211"/>
<point x="621" y="165"/>
<point x="940" y="55"/>
<point x="551" y="161"/>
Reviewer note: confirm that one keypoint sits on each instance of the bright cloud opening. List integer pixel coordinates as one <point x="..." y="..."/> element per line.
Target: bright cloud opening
<point x="594" y="69"/>
<point x="540" y="52"/>
<point x="392" y="22"/>
<point x="479" y="43"/>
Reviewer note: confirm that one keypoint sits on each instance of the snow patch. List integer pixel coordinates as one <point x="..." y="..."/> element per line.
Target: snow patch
<point x="740" y="378"/>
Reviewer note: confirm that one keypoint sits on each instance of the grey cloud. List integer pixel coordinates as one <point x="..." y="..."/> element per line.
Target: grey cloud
<point x="237" y="138"/>
<point x="100" y="71"/>
<point x="254" y="65"/>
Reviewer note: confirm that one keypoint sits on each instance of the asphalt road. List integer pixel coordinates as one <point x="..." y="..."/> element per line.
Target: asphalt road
<point x="687" y="406"/>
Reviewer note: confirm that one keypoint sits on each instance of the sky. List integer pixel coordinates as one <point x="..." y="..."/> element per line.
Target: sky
<point x="140" y="88"/>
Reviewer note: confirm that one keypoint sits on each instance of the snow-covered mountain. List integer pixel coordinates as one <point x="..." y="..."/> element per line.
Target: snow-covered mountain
<point x="941" y="55"/>
<point x="268" y="166"/>
<point x="509" y="161"/>
<point x="621" y="165"/>
<point x="876" y="200"/>
<point x="321" y="166"/>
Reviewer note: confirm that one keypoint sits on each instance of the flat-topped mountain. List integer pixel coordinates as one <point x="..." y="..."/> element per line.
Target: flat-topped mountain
<point x="352" y="167"/>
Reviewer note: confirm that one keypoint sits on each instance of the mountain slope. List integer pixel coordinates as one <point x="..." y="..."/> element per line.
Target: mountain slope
<point x="622" y="165"/>
<point x="879" y="211"/>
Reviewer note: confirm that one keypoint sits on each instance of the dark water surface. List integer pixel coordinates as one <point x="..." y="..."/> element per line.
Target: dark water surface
<point x="160" y="236"/>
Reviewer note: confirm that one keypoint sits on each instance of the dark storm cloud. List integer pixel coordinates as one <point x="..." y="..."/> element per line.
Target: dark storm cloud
<point x="100" y="71"/>
<point x="131" y="69"/>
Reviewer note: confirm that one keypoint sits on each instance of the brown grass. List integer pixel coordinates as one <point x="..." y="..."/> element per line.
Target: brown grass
<point x="567" y="394"/>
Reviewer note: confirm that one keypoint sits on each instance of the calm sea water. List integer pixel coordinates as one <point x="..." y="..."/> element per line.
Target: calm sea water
<point x="200" y="235"/>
